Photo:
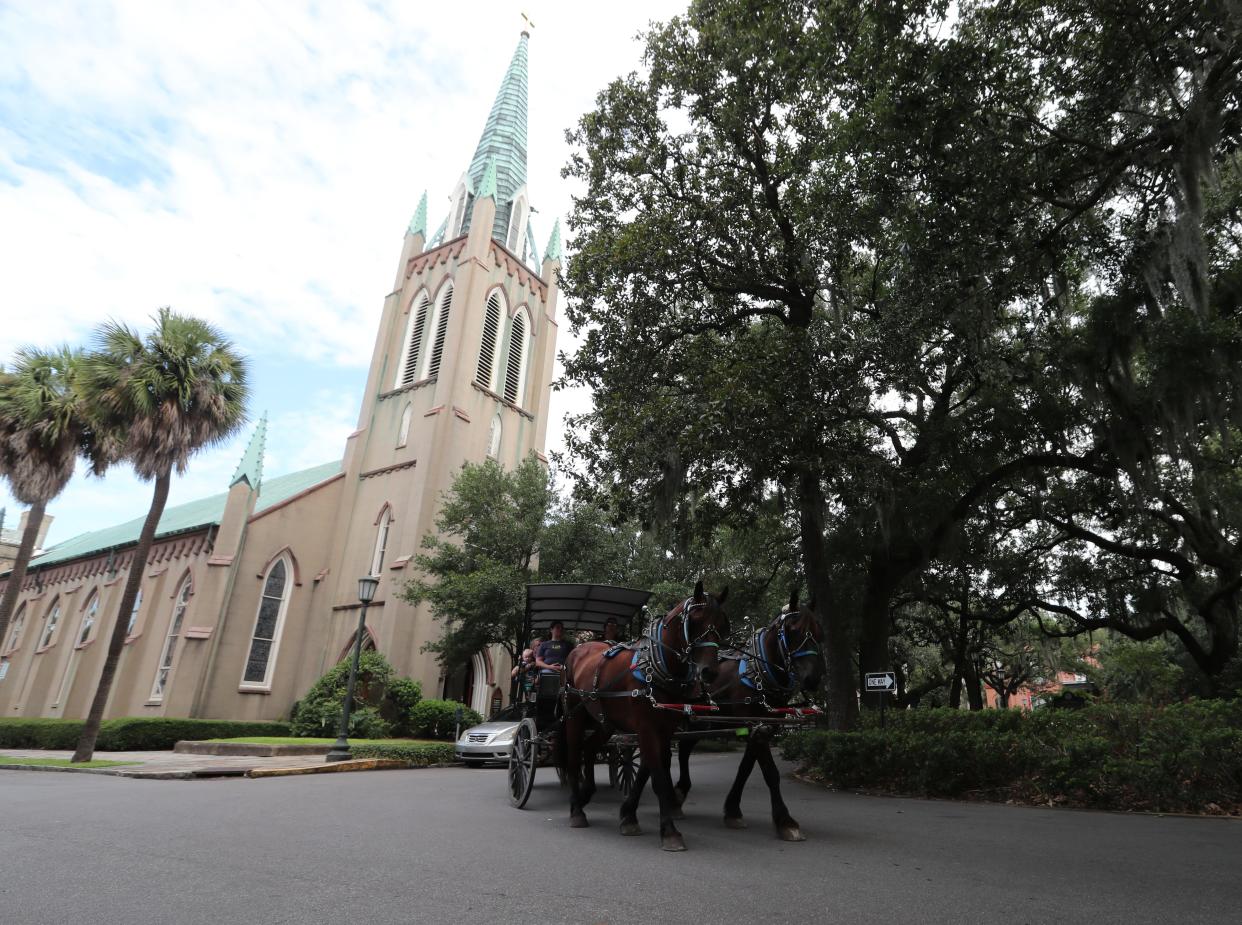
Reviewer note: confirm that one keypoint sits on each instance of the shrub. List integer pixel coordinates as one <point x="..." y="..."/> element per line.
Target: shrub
<point x="132" y="733"/>
<point x="383" y="701"/>
<point x="437" y="719"/>
<point x="1185" y="757"/>
<point x="418" y="754"/>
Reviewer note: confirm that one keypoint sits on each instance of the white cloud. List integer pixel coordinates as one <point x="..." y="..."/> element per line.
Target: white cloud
<point x="256" y="166"/>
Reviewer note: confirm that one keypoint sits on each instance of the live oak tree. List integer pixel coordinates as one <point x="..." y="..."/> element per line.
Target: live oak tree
<point x="846" y="255"/>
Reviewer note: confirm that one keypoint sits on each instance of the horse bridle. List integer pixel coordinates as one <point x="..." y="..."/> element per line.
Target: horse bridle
<point x="659" y="661"/>
<point x="806" y="646"/>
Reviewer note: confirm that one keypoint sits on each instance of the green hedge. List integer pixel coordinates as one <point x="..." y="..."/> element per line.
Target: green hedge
<point x="437" y="719"/>
<point x="132" y="733"/>
<point x="419" y="755"/>
<point x="1183" y="758"/>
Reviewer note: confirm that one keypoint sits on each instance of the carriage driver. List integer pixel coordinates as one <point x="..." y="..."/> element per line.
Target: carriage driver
<point x="550" y="656"/>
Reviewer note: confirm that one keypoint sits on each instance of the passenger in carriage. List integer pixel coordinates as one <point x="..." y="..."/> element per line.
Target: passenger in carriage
<point x="550" y="656"/>
<point x="612" y="632"/>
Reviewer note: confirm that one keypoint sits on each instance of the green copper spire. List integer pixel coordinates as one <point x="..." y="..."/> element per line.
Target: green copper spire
<point x="487" y="186"/>
<point x="553" y="250"/>
<point x="504" y="140"/>
<point x="251" y="466"/>
<point x="418" y="224"/>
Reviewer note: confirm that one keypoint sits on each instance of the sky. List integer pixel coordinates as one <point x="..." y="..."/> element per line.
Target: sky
<point x="255" y="164"/>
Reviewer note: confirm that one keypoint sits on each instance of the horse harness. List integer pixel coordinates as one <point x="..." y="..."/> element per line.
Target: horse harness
<point x="649" y="665"/>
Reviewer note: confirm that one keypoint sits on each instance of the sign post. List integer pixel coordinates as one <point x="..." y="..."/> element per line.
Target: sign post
<point x="881" y="682"/>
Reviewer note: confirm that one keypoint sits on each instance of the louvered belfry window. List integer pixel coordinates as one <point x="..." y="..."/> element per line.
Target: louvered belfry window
<point x="517" y="358"/>
<point x="414" y="341"/>
<point x="491" y="331"/>
<point x="442" y="320"/>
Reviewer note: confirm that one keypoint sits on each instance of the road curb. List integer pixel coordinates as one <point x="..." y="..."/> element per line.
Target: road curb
<point x="339" y="767"/>
<point x="6" y="766"/>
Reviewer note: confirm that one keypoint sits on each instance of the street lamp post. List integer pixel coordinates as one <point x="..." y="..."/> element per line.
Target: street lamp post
<point x="366" y="594"/>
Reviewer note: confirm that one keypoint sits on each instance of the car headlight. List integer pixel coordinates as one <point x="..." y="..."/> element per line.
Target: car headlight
<point x="504" y="738"/>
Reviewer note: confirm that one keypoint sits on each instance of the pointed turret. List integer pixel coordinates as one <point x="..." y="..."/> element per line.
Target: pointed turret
<point x="487" y="186"/>
<point x="553" y="250"/>
<point x="418" y="224"/>
<point x="250" y="469"/>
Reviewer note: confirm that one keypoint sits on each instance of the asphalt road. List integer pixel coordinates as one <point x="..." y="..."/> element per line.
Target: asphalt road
<point x="445" y="846"/>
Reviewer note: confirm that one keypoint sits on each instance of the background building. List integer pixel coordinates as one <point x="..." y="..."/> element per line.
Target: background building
<point x="250" y="595"/>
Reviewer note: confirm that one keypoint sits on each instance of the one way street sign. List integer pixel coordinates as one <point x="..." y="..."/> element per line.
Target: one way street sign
<point x="881" y="681"/>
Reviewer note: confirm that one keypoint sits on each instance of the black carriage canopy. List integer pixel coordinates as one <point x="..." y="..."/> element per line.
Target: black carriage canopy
<point x="581" y="607"/>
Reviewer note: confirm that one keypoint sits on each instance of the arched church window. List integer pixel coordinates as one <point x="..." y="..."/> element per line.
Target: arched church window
<point x="88" y="618"/>
<point x="169" y="652"/>
<point x="403" y="434"/>
<point x="492" y="313"/>
<point x="493" y="437"/>
<point x="515" y="371"/>
<point x="133" y="613"/>
<point x="268" y="623"/>
<point x="89" y="614"/>
<point x="413" y="340"/>
<point x="517" y="221"/>
<point x="381" y="543"/>
<point x="15" y="631"/>
<point x="444" y="305"/>
<point x="49" y="625"/>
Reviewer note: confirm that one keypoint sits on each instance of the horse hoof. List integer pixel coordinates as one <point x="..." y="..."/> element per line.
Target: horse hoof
<point x="579" y="822"/>
<point x="732" y="822"/>
<point x="790" y="833"/>
<point x="672" y="843"/>
<point x="631" y="828"/>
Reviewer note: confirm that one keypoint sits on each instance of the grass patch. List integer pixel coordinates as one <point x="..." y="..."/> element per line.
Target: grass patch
<point x="312" y="740"/>
<point x="65" y="763"/>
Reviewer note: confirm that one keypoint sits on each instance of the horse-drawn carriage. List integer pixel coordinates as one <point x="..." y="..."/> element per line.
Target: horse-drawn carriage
<point x="674" y="682"/>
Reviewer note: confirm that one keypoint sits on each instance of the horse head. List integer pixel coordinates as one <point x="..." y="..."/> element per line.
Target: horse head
<point x="797" y="638"/>
<point x="691" y="633"/>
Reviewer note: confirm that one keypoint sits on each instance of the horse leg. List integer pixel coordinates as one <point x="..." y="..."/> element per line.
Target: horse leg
<point x="629" y="806"/>
<point x="572" y="731"/>
<point x="682" y="790"/>
<point x="673" y="794"/>
<point x="786" y="826"/>
<point x="733" y="802"/>
<point x="653" y="751"/>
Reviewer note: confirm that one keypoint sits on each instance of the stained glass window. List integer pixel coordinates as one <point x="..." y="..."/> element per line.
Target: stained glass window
<point x="267" y="626"/>
<point x="170" y="643"/>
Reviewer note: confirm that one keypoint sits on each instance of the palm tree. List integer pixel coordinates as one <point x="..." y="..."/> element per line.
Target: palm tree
<point x="41" y="433"/>
<point x="164" y="397"/>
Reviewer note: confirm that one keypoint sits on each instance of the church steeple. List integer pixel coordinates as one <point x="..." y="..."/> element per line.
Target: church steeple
<point x="502" y="146"/>
<point x="250" y="469"/>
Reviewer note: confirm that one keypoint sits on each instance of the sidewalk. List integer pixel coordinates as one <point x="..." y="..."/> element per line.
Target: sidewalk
<point x="173" y="766"/>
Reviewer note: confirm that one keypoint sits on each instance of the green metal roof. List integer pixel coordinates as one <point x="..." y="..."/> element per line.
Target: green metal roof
<point x="487" y="186"/>
<point x="504" y="140"/>
<point x="183" y="517"/>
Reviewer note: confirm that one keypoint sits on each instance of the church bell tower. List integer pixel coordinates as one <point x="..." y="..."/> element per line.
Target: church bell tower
<point x="461" y="372"/>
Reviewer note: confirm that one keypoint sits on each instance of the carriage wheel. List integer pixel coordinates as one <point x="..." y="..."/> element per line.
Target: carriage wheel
<point x="522" y="760"/>
<point x="622" y="768"/>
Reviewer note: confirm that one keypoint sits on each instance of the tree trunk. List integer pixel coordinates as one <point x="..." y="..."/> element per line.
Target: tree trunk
<point x="876" y="626"/>
<point x="137" y="567"/>
<point x="838" y="656"/>
<point x="959" y="662"/>
<point x="18" y="576"/>
<point x="974" y="687"/>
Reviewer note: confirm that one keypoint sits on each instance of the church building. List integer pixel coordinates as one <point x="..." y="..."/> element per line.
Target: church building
<point x="250" y="595"/>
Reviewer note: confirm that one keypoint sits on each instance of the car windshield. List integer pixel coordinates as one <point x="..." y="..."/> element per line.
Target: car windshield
<point x="511" y="712"/>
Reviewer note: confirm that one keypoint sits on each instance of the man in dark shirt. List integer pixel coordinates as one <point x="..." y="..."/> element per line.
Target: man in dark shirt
<point x="551" y="655"/>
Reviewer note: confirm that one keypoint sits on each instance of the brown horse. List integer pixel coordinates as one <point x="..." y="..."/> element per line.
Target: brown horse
<point x="645" y="689"/>
<point x="781" y="660"/>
